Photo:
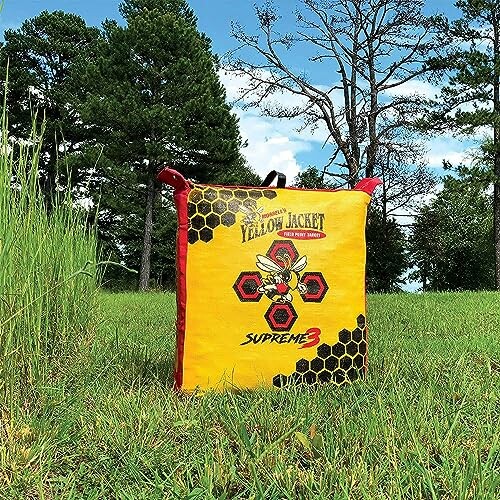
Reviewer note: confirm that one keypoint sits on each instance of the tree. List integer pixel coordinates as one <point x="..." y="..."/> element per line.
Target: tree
<point x="375" y="46"/>
<point x="451" y="241"/>
<point x="40" y="58"/>
<point x="386" y="258"/>
<point x="405" y="180"/>
<point x="470" y="101"/>
<point x="157" y="100"/>
<point x="311" y="178"/>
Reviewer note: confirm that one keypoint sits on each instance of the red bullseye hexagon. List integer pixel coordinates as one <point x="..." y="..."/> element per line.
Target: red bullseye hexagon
<point x="281" y="247"/>
<point x="316" y="287"/>
<point x="246" y="286"/>
<point x="280" y="317"/>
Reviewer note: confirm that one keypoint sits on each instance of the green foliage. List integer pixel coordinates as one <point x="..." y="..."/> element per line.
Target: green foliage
<point x="40" y="58"/>
<point x="452" y="240"/>
<point x="312" y="178"/>
<point x="386" y="258"/>
<point x="424" y="424"/>
<point x="155" y="99"/>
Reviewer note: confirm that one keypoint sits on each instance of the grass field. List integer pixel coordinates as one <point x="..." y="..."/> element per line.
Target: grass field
<point x="425" y="423"/>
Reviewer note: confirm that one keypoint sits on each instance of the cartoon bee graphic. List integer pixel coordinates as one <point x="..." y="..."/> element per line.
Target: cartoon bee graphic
<point x="252" y="215"/>
<point x="280" y="281"/>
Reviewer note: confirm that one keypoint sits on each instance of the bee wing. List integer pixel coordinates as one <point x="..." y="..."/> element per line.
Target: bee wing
<point x="265" y="264"/>
<point x="300" y="264"/>
<point x="260" y="210"/>
<point x="245" y="210"/>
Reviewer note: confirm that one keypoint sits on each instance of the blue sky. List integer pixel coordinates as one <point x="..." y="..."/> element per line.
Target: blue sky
<point x="273" y="144"/>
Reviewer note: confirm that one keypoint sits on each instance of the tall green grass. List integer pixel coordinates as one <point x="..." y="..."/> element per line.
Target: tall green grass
<point x="47" y="294"/>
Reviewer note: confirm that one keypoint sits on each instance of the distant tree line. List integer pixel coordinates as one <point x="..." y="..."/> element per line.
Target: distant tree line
<point x="120" y="101"/>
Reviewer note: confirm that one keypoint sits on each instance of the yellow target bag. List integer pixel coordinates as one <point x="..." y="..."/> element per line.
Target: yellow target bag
<point x="270" y="284"/>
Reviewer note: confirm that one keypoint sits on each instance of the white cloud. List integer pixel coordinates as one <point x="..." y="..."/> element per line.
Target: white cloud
<point x="413" y="87"/>
<point x="269" y="146"/>
<point x="273" y="144"/>
<point x="451" y="149"/>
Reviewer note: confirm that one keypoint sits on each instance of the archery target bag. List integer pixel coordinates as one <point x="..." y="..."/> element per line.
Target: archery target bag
<point x="270" y="284"/>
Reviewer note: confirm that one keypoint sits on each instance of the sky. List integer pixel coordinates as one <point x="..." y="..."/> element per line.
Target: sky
<point x="272" y="144"/>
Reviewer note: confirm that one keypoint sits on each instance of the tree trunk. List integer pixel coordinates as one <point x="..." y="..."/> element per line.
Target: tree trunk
<point x="145" y="272"/>
<point x="496" y="146"/>
<point x="372" y="149"/>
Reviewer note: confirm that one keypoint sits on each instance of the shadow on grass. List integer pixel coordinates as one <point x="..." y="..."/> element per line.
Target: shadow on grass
<point x="130" y="364"/>
<point x="141" y="364"/>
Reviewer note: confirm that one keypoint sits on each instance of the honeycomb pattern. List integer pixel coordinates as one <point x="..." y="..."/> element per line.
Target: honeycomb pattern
<point x="339" y="364"/>
<point x="210" y="207"/>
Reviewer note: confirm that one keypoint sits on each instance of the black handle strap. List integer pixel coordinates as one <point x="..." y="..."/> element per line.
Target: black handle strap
<point x="270" y="178"/>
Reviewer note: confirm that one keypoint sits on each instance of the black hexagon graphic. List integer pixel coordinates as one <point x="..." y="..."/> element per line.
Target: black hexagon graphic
<point x="352" y="374"/>
<point x="359" y="361"/>
<point x="233" y="205"/>
<point x="213" y="220"/>
<point x="362" y="347"/>
<point x="280" y="317"/>
<point x="296" y="378"/>
<point x="302" y="365"/>
<point x="246" y="286"/>
<point x="339" y="377"/>
<point x="210" y="194"/>
<point x="338" y="349"/>
<point x="310" y="377"/>
<point x="241" y="194"/>
<point x="270" y="195"/>
<point x="193" y="236"/>
<point x="279" y="248"/>
<point x="317" y="364"/>
<point x="324" y="350"/>
<point x="345" y="363"/>
<point x="225" y="194"/>
<point x="352" y="348"/>
<point x="195" y="195"/>
<point x="280" y="380"/>
<point x="191" y="209"/>
<point x="316" y="287"/>
<point x="252" y="204"/>
<point x="361" y="320"/>
<point x="198" y="222"/>
<point x="219" y="206"/>
<point x="357" y="335"/>
<point x="345" y="336"/>
<point x="204" y="207"/>
<point x="228" y="219"/>
<point x="255" y="194"/>
<point x="206" y="234"/>
<point x="332" y="363"/>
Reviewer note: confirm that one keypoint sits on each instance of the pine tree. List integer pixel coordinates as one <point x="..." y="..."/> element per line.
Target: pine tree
<point x="157" y="100"/>
<point x="470" y="101"/>
<point x="40" y="58"/>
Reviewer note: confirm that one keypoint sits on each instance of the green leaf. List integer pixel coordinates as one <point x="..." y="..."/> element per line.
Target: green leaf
<point x="304" y="440"/>
<point x="317" y="445"/>
<point x="242" y="431"/>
